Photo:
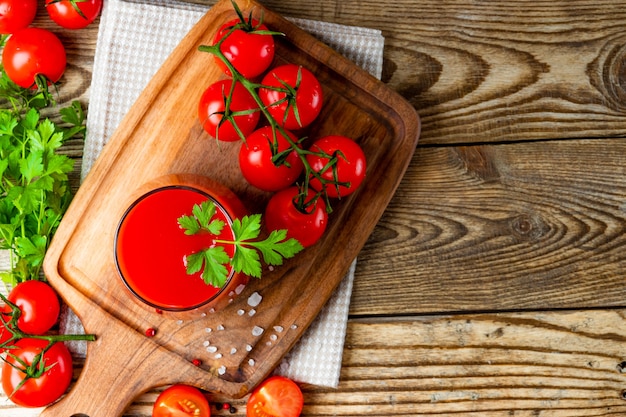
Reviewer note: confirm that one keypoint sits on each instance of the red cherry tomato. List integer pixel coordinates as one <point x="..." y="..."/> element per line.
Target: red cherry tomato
<point x="65" y="13"/>
<point x="16" y="14"/>
<point x="33" y="52"/>
<point x="41" y="390"/>
<point x="212" y="107"/>
<point x="282" y="106"/>
<point x="255" y="160"/>
<point x="306" y="227"/>
<point x="39" y="305"/>
<point x="350" y="166"/>
<point x="181" y="401"/>
<point x="277" y="396"/>
<point x="250" y="53"/>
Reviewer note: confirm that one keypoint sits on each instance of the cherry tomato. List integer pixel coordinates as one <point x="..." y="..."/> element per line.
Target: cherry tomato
<point x="250" y="53"/>
<point x="277" y="396"/>
<point x="32" y="52"/>
<point x="255" y="160"/>
<point x="41" y="390"/>
<point x="65" y="14"/>
<point x="39" y="305"/>
<point x="181" y="401"/>
<point x="307" y="227"/>
<point x="212" y="107"/>
<point x="307" y="98"/>
<point x="16" y="14"/>
<point x="350" y="166"/>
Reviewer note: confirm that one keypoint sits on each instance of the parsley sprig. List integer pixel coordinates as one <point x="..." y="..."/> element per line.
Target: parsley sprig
<point x="214" y="261"/>
<point x="34" y="182"/>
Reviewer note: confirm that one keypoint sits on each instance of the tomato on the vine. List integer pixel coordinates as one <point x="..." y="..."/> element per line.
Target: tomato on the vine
<point x="277" y="396"/>
<point x="255" y="160"/>
<point x="33" y="52"/>
<point x="16" y="14"/>
<point x="249" y="50"/>
<point x="299" y="103"/>
<point x="73" y="14"/>
<point x="347" y="173"/>
<point x="39" y="306"/>
<point x="40" y="383"/>
<point x="181" y="401"/>
<point x="214" y="115"/>
<point x="307" y="226"/>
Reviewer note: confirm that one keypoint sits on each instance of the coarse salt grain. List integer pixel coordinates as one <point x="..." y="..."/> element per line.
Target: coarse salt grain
<point x="294" y="326"/>
<point x="208" y="330"/>
<point x="221" y="370"/>
<point x="252" y="312"/>
<point x="220" y="327"/>
<point x="233" y="351"/>
<point x="211" y="349"/>
<point x="257" y="331"/>
<point x="206" y="343"/>
<point x="218" y="356"/>
<point x="240" y="312"/>
<point x="249" y="348"/>
<point x="254" y="299"/>
<point x="179" y="322"/>
<point x="240" y="289"/>
<point x="278" y="329"/>
<point x="273" y="337"/>
<point x="251" y="362"/>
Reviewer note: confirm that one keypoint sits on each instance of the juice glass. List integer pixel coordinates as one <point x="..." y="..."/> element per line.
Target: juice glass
<point x="151" y="248"/>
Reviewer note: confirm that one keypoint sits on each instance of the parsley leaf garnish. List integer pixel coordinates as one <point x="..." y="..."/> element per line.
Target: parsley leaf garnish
<point x="213" y="261"/>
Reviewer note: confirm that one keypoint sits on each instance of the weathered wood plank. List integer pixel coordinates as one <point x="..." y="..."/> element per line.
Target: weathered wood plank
<point x="527" y="364"/>
<point x="517" y="226"/>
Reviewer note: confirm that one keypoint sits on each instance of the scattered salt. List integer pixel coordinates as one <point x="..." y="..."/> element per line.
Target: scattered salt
<point x="249" y="348"/>
<point x="251" y="362"/>
<point x="240" y="312"/>
<point x="252" y="312"/>
<point x="230" y="294"/>
<point x="233" y="351"/>
<point x="220" y="327"/>
<point x="257" y="331"/>
<point x="206" y="343"/>
<point x="240" y="289"/>
<point x="278" y="329"/>
<point x="218" y="356"/>
<point x="208" y="330"/>
<point x="271" y="268"/>
<point x="179" y="322"/>
<point x="254" y="299"/>
<point x="221" y="370"/>
<point x="212" y="310"/>
<point x="211" y="349"/>
<point x="273" y="337"/>
<point x="294" y="326"/>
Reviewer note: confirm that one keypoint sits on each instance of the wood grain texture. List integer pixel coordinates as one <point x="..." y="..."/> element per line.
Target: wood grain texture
<point x="490" y="365"/>
<point x="499" y="227"/>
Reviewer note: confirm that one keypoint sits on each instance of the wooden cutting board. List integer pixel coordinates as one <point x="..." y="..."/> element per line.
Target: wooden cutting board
<point x="161" y="135"/>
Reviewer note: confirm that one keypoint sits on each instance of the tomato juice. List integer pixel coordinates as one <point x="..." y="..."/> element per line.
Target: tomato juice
<point x="151" y="247"/>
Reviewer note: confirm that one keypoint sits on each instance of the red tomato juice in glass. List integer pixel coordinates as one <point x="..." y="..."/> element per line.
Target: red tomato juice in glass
<point x="151" y="248"/>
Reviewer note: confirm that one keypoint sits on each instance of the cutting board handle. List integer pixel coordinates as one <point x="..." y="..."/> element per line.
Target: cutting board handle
<point x="117" y="364"/>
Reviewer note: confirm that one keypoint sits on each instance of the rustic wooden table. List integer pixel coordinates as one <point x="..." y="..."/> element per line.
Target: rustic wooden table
<point x="494" y="283"/>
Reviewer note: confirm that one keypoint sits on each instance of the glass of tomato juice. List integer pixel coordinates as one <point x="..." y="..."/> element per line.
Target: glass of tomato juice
<point x="151" y="247"/>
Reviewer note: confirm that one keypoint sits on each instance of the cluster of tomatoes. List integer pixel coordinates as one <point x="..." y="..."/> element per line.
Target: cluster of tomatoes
<point x="263" y="106"/>
<point x="36" y="56"/>
<point x="37" y="367"/>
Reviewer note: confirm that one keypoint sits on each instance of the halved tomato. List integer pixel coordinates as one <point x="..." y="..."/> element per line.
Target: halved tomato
<point x="277" y="396"/>
<point x="181" y="401"/>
